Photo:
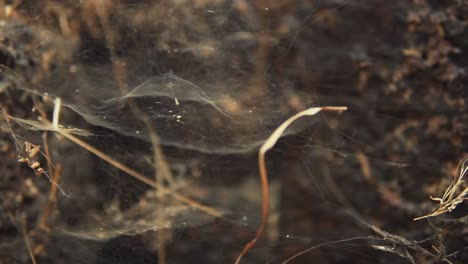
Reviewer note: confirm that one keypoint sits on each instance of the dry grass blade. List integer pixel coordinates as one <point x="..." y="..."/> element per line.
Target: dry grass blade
<point x="139" y="176"/>
<point x="452" y="196"/>
<point x="24" y="231"/>
<point x="269" y="144"/>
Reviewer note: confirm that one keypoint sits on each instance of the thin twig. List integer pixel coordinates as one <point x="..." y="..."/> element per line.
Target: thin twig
<point x="52" y="200"/>
<point x="323" y="244"/>
<point x="53" y="188"/>
<point x="139" y="176"/>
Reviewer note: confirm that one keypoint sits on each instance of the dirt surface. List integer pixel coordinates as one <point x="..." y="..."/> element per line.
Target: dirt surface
<point x="184" y="93"/>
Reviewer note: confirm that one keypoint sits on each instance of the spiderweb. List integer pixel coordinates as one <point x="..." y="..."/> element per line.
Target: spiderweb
<point x="184" y="93"/>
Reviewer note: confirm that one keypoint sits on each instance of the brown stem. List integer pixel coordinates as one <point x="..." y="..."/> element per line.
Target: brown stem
<point x="269" y="144"/>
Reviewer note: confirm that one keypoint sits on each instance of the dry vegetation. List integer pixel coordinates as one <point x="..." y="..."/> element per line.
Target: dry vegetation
<point x="131" y="131"/>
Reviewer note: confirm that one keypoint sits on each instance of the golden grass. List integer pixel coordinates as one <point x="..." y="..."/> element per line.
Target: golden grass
<point x="453" y="195"/>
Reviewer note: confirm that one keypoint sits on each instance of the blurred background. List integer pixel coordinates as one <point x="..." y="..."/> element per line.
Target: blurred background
<point x="184" y="92"/>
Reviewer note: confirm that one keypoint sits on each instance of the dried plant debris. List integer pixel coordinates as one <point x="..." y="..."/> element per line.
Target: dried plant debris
<point x="454" y="195"/>
<point x="137" y="131"/>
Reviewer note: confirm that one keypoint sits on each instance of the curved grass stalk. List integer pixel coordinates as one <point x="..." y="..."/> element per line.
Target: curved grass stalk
<point x="269" y="144"/>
